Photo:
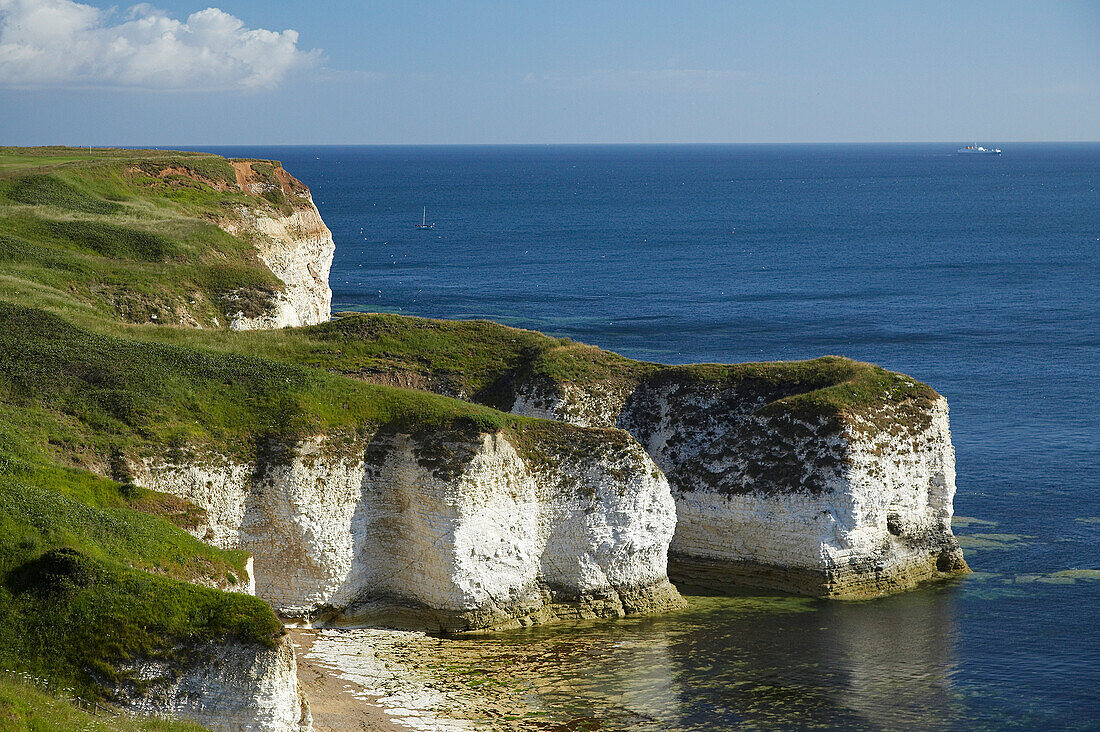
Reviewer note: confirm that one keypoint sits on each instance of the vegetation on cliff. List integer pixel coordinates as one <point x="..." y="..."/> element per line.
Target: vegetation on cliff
<point x="30" y="704"/>
<point x="91" y="580"/>
<point x="91" y="394"/>
<point x="133" y="236"/>
<point x="484" y="362"/>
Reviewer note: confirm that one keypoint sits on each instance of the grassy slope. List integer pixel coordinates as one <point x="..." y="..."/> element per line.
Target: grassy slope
<point x="128" y="235"/>
<point x="92" y="575"/>
<point x="91" y="394"/>
<point x="91" y="569"/>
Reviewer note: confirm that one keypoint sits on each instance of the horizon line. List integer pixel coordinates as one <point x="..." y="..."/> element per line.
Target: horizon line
<point x="180" y="146"/>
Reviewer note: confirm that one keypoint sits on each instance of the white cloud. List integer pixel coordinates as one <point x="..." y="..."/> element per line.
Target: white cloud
<point x="64" y="43"/>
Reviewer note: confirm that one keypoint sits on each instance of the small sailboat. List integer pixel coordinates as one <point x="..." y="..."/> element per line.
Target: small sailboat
<point x="424" y="221"/>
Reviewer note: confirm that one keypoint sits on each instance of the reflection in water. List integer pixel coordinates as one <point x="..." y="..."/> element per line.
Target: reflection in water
<point x="775" y="662"/>
<point x="897" y="655"/>
<point x="620" y="674"/>
<point x="755" y="662"/>
<point x="867" y="664"/>
<point x="631" y="675"/>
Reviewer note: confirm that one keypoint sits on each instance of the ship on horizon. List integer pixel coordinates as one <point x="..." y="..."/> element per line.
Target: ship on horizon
<point x="977" y="149"/>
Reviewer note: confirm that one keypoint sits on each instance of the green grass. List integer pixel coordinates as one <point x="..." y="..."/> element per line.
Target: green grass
<point x="484" y="361"/>
<point x="94" y="393"/>
<point x="29" y="704"/>
<point x="25" y="158"/>
<point x="49" y="507"/>
<point x="91" y="569"/>
<point x="90" y="238"/>
<point x="211" y="168"/>
<point x="81" y="619"/>
<point x="49" y="190"/>
<point x="90" y="581"/>
<point x="131" y="235"/>
<point x="474" y="357"/>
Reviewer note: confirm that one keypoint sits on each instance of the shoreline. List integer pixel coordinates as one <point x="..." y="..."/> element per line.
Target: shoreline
<point x="335" y="704"/>
<point x="401" y="681"/>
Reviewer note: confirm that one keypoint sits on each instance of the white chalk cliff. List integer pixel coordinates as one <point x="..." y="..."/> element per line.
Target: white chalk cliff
<point x="452" y="531"/>
<point x="298" y="249"/>
<point x="294" y="243"/>
<point x="770" y="500"/>
<point x="225" y="686"/>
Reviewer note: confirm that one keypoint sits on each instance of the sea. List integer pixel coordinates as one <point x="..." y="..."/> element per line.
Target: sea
<point x="979" y="275"/>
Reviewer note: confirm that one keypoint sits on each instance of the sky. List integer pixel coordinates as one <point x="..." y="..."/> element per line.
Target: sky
<point x="268" y="72"/>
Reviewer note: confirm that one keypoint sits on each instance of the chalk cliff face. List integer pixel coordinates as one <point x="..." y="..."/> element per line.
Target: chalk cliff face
<point x="298" y="249"/>
<point x="228" y="686"/>
<point x="855" y="507"/>
<point x="449" y="530"/>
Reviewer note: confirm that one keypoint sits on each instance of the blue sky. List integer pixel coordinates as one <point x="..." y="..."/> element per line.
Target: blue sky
<point x="275" y="72"/>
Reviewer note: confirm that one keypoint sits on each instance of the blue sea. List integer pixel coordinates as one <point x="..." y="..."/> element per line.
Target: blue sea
<point x="977" y="275"/>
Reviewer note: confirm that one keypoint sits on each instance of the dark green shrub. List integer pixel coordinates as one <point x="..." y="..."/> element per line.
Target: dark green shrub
<point x="58" y="572"/>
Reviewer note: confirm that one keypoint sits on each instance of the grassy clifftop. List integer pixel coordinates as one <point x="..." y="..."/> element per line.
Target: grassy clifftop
<point x="137" y="235"/>
<point x="484" y="361"/>
<point x="88" y="394"/>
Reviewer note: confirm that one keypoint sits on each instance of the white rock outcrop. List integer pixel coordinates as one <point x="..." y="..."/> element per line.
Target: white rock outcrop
<point x="780" y="503"/>
<point x="298" y="249"/>
<point x="452" y="531"/>
<point x="876" y="521"/>
<point x="228" y="686"/>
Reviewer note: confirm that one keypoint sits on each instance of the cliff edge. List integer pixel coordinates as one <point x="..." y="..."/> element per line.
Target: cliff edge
<point x="163" y="237"/>
<point x="291" y="240"/>
<point x="828" y="477"/>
